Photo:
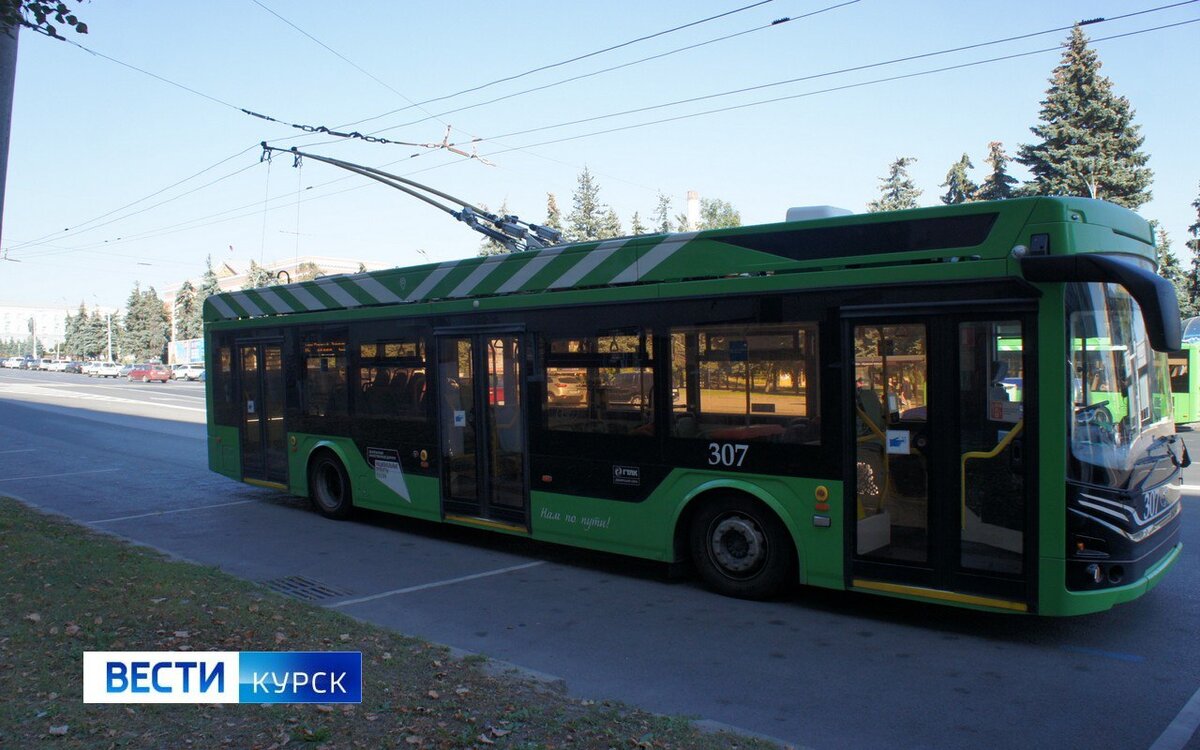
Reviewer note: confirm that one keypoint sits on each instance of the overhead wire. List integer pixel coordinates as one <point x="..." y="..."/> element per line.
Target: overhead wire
<point x="846" y="87"/>
<point x="840" y="71"/>
<point x="777" y="23"/>
<point x="568" y="61"/>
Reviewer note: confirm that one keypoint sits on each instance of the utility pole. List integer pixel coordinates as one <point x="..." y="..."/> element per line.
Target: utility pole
<point x="8" y="78"/>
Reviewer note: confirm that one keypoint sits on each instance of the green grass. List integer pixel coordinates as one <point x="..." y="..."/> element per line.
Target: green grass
<point x="65" y="590"/>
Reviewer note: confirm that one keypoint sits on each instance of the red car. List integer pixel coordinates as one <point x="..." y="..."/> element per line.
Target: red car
<point x="147" y="373"/>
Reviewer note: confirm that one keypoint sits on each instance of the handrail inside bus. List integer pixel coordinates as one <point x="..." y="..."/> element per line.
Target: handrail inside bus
<point x="971" y="455"/>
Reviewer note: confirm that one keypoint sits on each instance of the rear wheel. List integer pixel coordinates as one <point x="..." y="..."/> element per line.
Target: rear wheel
<point x="329" y="486"/>
<point x="741" y="548"/>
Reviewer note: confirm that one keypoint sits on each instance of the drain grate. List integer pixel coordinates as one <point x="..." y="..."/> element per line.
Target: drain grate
<point x="306" y="589"/>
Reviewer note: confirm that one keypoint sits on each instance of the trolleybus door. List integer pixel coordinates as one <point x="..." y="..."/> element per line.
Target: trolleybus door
<point x="942" y="458"/>
<point x="264" y="437"/>
<point x="482" y="423"/>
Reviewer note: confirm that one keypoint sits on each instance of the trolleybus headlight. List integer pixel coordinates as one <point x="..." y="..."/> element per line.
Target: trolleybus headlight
<point x="1094" y="571"/>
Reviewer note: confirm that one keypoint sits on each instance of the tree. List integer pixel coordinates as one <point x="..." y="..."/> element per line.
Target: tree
<point x="718" y="214"/>
<point x="189" y="322"/>
<point x="1170" y="269"/>
<point x="308" y="271"/>
<point x="999" y="184"/>
<point x="553" y="215"/>
<point x="1089" y="145"/>
<point x="1193" y="276"/>
<point x="258" y="277"/>
<point x="897" y="191"/>
<point x="662" y="214"/>
<point x="146" y="325"/>
<point x="37" y="14"/>
<point x="97" y="335"/>
<point x="489" y="246"/>
<point x="610" y="225"/>
<point x="959" y="187"/>
<point x="636" y="226"/>
<point x="589" y="218"/>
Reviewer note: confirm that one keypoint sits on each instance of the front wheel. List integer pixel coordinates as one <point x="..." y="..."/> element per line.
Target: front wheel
<point x="329" y="487"/>
<point x="742" y="549"/>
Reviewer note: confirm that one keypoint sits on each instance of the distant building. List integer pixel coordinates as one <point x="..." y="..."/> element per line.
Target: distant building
<point x="232" y="275"/>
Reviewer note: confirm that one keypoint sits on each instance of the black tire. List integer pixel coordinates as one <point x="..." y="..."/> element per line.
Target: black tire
<point x="742" y="549"/>
<point x="329" y="486"/>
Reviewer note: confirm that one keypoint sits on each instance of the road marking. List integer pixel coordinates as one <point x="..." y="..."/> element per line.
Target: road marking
<point x="20" y="450"/>
<point x="436" y="584"/>
<point x="169" y="512"/>
<point x="1194" y="488"/>
<point x="1180" y="731"/>
<point x="54" y="476"/>
<point x="1106" y="654"/>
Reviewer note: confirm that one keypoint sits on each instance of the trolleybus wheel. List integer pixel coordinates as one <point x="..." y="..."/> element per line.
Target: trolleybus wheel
<point x="329" y="486"/>
<point x="742" y="549"/>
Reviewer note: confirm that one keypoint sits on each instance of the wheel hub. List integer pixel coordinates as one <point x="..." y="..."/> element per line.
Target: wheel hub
<point x="738" y="544"/>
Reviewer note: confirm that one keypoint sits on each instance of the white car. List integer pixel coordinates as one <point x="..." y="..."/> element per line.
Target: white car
<point x="188" y="372"/>
<point x="105" y="370"/>
<point x="12" y="363"/>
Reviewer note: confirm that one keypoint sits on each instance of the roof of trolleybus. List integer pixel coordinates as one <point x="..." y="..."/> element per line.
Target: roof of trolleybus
<point x="973" y="240"/>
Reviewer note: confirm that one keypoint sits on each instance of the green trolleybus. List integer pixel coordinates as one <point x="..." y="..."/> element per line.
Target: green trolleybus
<point x="1185" y="374"/>
<point x="966" y="404"/>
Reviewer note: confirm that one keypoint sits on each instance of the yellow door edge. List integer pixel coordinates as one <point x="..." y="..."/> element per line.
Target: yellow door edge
<point x="486" y="523"/>
<point x="939" y="595"/>
<point x="265" y="483"/>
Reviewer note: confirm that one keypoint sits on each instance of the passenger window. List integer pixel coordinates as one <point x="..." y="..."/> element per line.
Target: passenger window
<point x="602" y="383"/>
<point x="746" y="383"/>
<point x="391" y="375"/>
<point x="325" y="389"/>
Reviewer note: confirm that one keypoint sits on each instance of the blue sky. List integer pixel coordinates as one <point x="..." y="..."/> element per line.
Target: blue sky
<point x="91" y="136"/>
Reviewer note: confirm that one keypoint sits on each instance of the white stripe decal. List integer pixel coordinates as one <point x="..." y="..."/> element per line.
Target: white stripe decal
<point x="223" y="307"/>
<point x="275" y="301"/>
<point x="305" y="297"/>
<point x="341" y="296"/>
<point x="245" y="303"/>
<point x="527" y="272"/>
<point x="588" y="263"/>
<point x="374" y="289"/>
<point x="648" y="261"/>
<point x="431" y="281"/>
<point x="477" y="276"/>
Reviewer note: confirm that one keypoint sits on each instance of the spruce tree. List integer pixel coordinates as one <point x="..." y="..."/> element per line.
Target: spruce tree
<point x="610" y="225"/>
<point x="897" y="191"/>
<point x="189" y="323"/>
<point x="636" y="226"/>
<point x="1170" y="269"/>
<point x="958" y="184"/>
<point x="489" y="246"/>
<point x="553" y="215"/>
<point x="1193" y="276"/>
<point x="1088" y="144"/>
<point x="999" y="184"/>
<point x="258" y="277"/>
<point x="586" y="222"/>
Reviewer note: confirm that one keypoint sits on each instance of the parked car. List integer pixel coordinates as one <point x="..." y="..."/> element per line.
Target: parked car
<point x="106" y="370"/>
<point x="14" y="363"/>
<point x="125" y="370"/>
<point x="28" y="363"/>
<point x="148" y="373"/>
<point x="191" y="371"/>
<point x="43" y="364"/>
<point x="75" y="367"/>
<point x="565" y="388"/>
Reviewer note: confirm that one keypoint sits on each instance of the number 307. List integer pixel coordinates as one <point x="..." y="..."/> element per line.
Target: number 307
<point x="727" y="454"/>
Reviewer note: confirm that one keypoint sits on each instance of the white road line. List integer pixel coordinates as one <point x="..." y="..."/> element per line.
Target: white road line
<point x="55" y="476"/>
<point x="436" y="584"/>
<point x="19" y="450"/>
<point x="1180" y="731"/>
<point x="169" y="512"/>
<point x="1194" y="488"/>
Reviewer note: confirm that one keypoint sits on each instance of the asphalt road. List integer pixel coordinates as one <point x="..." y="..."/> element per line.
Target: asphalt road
<point x="821" y="669"/>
